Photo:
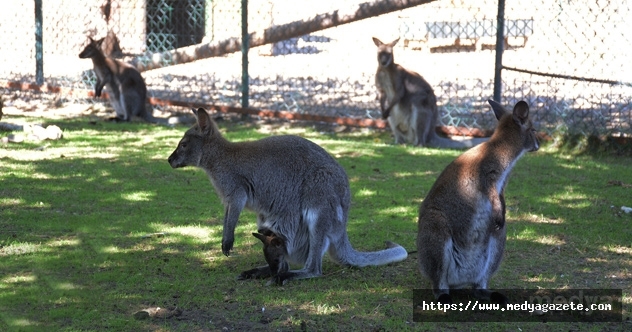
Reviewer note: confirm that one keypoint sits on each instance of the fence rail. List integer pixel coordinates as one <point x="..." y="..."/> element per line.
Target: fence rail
<point x="563" y="57"/>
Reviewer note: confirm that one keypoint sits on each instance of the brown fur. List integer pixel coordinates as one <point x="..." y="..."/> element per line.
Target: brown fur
<point x="274" y="251"/>
<point x="110" y="45"/>
<point x="462" y="219"/>
<point x="126" y="88"/>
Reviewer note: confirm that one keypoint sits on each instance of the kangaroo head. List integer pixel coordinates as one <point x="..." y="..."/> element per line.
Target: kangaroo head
<point x="385" y="52"/>
<point x="273" y="250"/>
<point x="196" y="142"/>
<point x="92" y="49"/>
<point x="516" y="126"/>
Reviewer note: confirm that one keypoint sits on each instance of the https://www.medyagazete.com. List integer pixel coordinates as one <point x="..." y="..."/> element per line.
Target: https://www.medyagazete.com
<point x="525" y="306"/>
<point x="596" y="305"/>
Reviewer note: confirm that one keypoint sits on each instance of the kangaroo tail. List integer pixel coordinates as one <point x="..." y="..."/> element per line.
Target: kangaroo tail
<point x="148" y="115"/>
<point x="442" y="142"/>
<point x="343" y="253"/>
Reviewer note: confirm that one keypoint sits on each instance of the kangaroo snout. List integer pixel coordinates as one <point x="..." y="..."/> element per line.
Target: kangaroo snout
<point x="172" y="161"/>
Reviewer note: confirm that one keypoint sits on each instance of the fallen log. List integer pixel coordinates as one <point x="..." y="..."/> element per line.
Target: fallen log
<point x="274" y="34"/>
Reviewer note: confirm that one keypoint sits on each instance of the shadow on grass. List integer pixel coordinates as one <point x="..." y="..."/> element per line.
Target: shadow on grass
<point x="88" y="241"/>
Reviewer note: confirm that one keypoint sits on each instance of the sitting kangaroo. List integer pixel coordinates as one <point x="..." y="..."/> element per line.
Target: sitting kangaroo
<point x="297" y="190"/>
<point x="274" y="252"/>
<point x="127" y="91"/>
<point x="462" y="229"/>
<point x="409" y="103"/>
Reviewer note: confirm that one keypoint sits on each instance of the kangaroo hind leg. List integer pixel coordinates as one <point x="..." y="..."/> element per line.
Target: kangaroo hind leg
<point x="435" y="252"/>
<point x="134" y="105"/>
<point x="486" y="294"/>
<point x="318" y="220"/>
<point x="424" y="124"/>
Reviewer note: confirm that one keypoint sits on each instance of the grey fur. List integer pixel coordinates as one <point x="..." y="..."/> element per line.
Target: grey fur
<point x="462" y="229"/>
<point x="297" y="190"/>
<point x="409" y="103"/>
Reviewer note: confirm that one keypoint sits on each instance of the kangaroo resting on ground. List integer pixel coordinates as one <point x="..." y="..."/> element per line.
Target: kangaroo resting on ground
<point x="462" y="229"/>
<point x="297" y="190"/>
<point x="409" y="103"/>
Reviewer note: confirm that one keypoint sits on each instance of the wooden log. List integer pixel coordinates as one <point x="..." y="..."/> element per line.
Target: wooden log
<point x="274" y="34"/>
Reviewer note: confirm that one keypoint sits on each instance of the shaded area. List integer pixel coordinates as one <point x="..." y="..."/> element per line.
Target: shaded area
<point x="74" y="216"/>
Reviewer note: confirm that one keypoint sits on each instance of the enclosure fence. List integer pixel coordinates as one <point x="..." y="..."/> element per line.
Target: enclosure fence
<point x="567" y="58"/>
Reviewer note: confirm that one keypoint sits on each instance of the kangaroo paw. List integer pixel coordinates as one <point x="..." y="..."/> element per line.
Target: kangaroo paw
<point x="282" y="278"/>
<point x="256" y="273"/>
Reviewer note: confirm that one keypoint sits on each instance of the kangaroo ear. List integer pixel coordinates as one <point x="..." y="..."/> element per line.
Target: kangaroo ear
<point x="100" y="41"/>
<point x="204" y="121"/>
<point x="260" y="237"/>
<point x="377" y="42"/>
<point x="521" y="111"/>
<point x="392" y="44"/>
<point x="265" y="232"/>
<point x="498" y="109"/>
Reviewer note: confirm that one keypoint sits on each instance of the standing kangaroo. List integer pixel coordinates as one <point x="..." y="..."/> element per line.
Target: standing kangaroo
<point x="409" y="104"/>
<point x="126" y="88"/>
<point x="297" y="190"/>
<point x="462" y="220"/>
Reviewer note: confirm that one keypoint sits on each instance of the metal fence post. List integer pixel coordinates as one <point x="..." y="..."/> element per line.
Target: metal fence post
<point x="39" y="49"/>
<point x="244" y="53"/>
<point x="500" y="43"/>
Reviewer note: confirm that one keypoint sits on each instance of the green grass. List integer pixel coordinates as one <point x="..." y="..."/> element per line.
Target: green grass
<point x="97" y="226"/>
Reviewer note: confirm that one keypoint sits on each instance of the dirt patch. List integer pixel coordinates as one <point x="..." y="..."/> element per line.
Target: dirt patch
<point x="221" y="317"/>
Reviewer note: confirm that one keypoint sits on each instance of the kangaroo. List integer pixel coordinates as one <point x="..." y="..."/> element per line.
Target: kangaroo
<point x="110" y="45"/>
<point x="274" y="252"/>
<point x="297" y="190"/>
<point x="409" y="103"/>
<point x="126" y="87"/>
<point x="462" y="229"/>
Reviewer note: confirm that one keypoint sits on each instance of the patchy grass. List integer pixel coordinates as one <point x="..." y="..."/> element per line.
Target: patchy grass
<point x="96" y="227"/>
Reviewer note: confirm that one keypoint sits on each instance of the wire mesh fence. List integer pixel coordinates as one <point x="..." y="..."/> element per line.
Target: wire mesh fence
<point x="565" y="57"/>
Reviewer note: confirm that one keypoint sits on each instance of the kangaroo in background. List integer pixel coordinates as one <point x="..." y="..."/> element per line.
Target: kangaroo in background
<point x="126" y="88"/>
<point x="409" y="103"/>
<point x="110" y="45"/>
<point x="462" y="229"/>
<point x="274" y="252"/>
<point x="297" y="190"/>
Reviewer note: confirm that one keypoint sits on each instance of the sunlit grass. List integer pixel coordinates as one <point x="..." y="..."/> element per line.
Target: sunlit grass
<point x="21" y="278"/>
<point x="97" y="226"/>
<point x="138" y="196"/>
<point x="21" y="322"/>
<point x="15" y="249"/>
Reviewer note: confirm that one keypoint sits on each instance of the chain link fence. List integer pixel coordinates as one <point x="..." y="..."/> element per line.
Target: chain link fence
<point x="567" y="58"/>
